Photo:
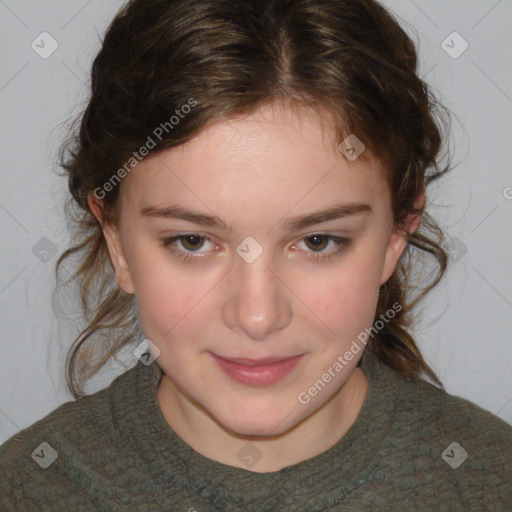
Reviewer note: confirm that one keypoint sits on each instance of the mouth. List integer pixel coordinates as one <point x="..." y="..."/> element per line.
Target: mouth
<point x="257" y="372"/>
<point x="257" y="362"/>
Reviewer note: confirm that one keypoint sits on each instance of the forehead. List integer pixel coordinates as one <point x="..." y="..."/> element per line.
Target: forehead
<point x="275" y="155"/>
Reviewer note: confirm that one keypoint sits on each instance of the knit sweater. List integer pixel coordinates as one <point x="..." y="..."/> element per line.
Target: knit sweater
<point x="413" y="447"/>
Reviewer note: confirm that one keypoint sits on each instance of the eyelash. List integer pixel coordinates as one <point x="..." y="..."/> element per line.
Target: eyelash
<point x="341" y="242"/>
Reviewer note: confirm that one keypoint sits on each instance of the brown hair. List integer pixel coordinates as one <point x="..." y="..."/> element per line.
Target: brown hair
<point x="347" y="58"/>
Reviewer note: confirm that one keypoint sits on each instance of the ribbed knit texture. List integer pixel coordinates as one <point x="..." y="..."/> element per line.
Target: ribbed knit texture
<point x="116" y="452"/>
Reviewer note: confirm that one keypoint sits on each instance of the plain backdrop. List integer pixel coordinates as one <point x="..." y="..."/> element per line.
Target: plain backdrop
<point x="465" y="326"/>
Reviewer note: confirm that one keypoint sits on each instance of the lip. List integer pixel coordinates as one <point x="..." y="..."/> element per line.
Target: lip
<point x="258" y="372"/>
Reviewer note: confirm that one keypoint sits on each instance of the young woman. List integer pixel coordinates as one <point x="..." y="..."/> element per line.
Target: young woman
<point x="251" y="182"/>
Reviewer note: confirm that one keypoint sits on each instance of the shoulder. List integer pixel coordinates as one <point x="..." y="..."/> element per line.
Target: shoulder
<point x="72" y="432"/>
<point x="438" y="436"/>
<point x="439" y="412"/>
<point x="80" y="417"/>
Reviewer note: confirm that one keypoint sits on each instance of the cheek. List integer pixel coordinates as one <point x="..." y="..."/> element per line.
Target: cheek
<point x="160" y="309"/>
<point x="165" y="294"/>
<point x="345" y="298"/>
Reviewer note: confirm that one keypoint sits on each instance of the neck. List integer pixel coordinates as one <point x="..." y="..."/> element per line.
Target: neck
<point x="313" y="435"/>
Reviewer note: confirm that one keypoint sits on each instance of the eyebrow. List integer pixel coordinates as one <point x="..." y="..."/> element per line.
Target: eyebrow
<point x="178" y="212"/>
<point x="334" y="212"/>
<point x="293" y="224"/>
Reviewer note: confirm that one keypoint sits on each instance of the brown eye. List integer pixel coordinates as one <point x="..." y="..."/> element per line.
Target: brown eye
<point x="322" y="247"/>
<point x="192" y="242"/>
<point x="317" y="242"/>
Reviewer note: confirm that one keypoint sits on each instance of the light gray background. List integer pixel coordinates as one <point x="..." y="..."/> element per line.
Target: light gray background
<point x="464" y="327"/>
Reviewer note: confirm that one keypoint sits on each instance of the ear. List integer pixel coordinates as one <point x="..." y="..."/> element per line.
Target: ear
<point x="114" y="246"/>
<point x="398" y="239"/>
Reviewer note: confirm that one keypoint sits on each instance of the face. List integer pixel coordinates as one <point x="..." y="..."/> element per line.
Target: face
<point x="222" y="242"/>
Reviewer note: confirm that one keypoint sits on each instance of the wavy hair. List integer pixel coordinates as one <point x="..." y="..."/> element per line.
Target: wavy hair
<point x="349" y="59"/>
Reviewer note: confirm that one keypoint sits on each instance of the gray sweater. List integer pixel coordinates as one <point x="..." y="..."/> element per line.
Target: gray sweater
<point x="413" y="447"/>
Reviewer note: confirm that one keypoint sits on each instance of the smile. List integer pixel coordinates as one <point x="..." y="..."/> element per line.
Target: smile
<point x="257" y="372"/>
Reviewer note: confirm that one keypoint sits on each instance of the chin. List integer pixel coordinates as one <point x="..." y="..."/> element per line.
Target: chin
<point x="261" y="430"/>
<point x="259" y="424"/>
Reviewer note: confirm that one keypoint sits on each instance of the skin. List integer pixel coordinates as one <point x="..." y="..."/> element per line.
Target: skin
<point x="255" y="172"/>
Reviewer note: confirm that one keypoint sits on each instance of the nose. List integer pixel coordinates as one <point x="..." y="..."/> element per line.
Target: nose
<point x="257" y="303"/>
